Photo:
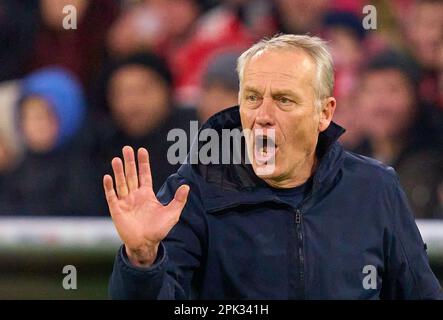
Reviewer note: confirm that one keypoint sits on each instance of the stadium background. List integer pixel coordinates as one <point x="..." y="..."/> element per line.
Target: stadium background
<point x="133" y="70"/>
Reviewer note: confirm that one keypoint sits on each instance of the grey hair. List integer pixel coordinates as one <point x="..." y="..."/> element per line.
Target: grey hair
<point x="315" y="47"/>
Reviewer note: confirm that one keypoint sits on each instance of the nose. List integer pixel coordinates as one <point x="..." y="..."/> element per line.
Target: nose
<point x="265" y="116"/>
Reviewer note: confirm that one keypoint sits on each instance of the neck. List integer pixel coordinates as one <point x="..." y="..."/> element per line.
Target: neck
<point x="304" y="171"/>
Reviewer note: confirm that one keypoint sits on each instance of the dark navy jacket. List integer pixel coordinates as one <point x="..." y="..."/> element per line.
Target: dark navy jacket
<point x="237" y="240"/>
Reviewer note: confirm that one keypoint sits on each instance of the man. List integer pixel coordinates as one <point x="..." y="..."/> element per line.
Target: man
<point x="323" y="224"/>
<point x="137" y="93"/>
<point x="423" y="32"/>
<point x="219" y="88"/>
<point x="402" y="131"/>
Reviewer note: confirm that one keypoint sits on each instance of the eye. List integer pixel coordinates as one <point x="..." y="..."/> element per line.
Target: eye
<point x="253" y="100"/>
<point x="285" y="101"/>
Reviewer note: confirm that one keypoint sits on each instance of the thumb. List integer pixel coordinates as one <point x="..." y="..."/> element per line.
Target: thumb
<point x="180" y="199"/>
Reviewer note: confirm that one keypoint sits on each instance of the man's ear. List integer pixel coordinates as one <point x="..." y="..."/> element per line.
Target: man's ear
<point x="326" y="114"/>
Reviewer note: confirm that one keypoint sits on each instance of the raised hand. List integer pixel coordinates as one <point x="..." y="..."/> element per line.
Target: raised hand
<point x="140" y="219"/>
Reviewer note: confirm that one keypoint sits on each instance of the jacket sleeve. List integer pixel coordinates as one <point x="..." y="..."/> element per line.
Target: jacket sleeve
<point x="409" y="275"/>
<point x="179" y="256"/>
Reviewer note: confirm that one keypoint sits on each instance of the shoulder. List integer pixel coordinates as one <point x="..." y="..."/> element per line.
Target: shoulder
<point x="368" y="169"/>
<point x="380" y="185"/>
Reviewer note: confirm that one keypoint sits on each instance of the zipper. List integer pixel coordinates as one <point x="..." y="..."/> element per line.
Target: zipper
<point x="301" y="257"/>
<point x="299" y="230"/>
<point x="298" y="216"/>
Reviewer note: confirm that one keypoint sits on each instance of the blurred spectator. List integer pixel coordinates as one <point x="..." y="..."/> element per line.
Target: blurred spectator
<point x="440" y="75"/>
<point x="8" y="159"/>
<point x="345" y="115"/>
<point x="219" y="85"/>
<point x="6" y="155"/>
<point x="138" y="93"/>
<point x="9" y="92"/>
<point x="401" y="132"/>
<point x="79" y="50"/>
<point x="146" y="25"/>
<point x="301" y="16"/>
<point x="346" y="36"/>
<point x="191" y="40"/>
<point x="391" y="17"/>
<point x="388" y="107"/>
<point x="5" y="162"/>
<point x="217" y="30"/>
<point x="257" y="16"/>
<point x="307" y="16"/>
<point x="10" y="146"/>
<point x="54" y="177"/>
<point x="424" y="36"/>
<point x="17" y="24"/>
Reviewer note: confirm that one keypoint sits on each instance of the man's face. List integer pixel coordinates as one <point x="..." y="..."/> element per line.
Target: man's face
<point x="277" y="94"/>
<point x="387" y="100"/>
<point x="138" y="99"/>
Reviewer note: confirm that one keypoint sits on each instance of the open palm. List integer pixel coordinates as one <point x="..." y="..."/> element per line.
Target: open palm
<point x="140" y="219"/>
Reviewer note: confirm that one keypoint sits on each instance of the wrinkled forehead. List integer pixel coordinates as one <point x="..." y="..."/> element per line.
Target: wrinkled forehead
<point x="294" y="66"/>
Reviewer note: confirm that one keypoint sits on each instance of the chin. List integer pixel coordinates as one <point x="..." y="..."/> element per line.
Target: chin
<point x="265" y="171"/>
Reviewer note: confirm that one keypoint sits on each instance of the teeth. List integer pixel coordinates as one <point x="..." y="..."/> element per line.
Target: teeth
<point x="263" y="152"/>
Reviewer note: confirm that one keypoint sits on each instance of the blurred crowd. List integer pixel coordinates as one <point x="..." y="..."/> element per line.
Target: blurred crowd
<point x="133" y="70"/>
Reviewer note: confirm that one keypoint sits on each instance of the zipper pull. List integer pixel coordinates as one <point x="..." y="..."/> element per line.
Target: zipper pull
<point x="297" y="216"/>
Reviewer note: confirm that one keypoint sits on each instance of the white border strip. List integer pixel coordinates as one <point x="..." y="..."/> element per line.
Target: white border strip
<point x="87" y="233"/>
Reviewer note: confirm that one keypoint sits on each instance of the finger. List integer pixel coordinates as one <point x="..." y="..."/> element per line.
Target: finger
<point x="120" y="180"/>
<point x="144" y="168"/>
<point x="111" y="196"/>
<point x="130" y="168"/>
<point x="178" y="203"/>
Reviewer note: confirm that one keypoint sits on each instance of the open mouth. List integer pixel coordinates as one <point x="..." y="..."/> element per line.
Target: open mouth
<point x="264" y="150"/>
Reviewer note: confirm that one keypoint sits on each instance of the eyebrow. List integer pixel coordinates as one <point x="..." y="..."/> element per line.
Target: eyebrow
<point x="251" y="89"/>
<point x="276" y="93"/>
<point x="284" y="92"/>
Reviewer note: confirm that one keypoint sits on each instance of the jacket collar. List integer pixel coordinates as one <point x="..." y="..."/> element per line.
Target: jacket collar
<point x="225" y="186"/>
